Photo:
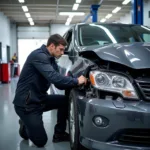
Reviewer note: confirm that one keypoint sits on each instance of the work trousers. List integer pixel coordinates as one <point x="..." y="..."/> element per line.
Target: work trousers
<point x="32" y="118"/>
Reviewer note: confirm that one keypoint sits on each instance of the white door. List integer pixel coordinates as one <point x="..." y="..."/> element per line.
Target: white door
<point x="26" y="46"/>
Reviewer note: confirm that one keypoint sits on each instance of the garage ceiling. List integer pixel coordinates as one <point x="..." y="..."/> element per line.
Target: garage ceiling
<point x="47" y="11"/>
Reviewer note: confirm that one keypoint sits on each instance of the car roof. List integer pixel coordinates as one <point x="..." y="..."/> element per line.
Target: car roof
<point x="117" y="24"/>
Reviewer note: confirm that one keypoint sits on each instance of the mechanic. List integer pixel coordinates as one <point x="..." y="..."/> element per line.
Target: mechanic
<point x="31" y="99"/>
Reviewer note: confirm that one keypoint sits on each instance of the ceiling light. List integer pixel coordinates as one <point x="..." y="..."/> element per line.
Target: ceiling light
<point x="103" y="20"/>
<point x="108" y="16"/>
<point x="21" y="1"/>
<point x="72" y="13"/>
<point x="116" y="9"/>
<point x="28" y="15"/>
<point x="25" y="8"/>
<point x="32" y="23"/>
<point x="75" y="6"/>
<point x="125" y="2"/>
<point x="30" y="19"/>
<point x="69" y="19"/>
<point x="78" y="1"/>
<point x="67" y="23"/>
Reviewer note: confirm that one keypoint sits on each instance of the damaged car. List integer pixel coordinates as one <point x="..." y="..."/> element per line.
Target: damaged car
<point x="112" y="111"/>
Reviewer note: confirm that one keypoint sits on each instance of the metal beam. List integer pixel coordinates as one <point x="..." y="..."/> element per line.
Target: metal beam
<point x="106" y="4"/>
<point x="63" y="8"/>
<point x="53" y="12"/>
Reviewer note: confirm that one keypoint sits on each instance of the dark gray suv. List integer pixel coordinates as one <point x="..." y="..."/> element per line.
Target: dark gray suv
<point x="113" y="110"/>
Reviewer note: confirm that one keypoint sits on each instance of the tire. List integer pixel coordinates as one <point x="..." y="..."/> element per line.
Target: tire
<point x="74" y="123"/>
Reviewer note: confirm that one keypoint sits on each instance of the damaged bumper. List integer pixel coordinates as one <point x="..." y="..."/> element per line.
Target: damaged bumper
<point x="126" y="124"/>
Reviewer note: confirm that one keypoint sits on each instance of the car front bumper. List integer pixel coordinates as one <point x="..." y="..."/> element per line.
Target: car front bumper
<point x="97" y="145"/>
<point x="128" y="122"/>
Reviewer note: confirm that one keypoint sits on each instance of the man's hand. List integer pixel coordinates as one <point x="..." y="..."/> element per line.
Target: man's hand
<point x="82" y="80"/>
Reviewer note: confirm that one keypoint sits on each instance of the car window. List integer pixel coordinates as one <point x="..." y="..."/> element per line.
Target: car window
<point x="146" y="37"/>
<point x="68" y="38"/>
<point x="93" y="36"/>
<point x="102" y="34"/>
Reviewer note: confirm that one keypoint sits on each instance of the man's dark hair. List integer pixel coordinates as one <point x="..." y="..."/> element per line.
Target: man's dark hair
<point x="56" y="39"/>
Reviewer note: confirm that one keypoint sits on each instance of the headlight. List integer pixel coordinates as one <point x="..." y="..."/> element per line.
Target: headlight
<point x="113" y="83"/>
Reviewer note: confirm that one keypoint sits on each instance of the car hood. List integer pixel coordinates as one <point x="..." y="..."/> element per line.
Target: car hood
<point x="135" y="55"/>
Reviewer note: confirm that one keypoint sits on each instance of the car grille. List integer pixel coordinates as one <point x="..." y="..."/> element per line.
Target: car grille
<point x="135" y="137"/>
<point x="144" y="86"/>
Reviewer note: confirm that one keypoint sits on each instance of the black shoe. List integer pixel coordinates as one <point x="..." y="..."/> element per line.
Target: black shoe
<point x="22" y="131"/>
<point x="61" y="137"/>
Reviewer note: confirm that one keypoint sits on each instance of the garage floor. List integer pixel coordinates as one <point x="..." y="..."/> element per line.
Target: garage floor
<point x="9" y="137"/>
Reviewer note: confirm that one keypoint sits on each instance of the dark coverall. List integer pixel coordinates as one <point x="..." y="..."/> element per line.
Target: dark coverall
<point x="31" y="98"/>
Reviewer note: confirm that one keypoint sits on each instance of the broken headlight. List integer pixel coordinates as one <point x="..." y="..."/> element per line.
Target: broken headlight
<point x="113" y="83"/>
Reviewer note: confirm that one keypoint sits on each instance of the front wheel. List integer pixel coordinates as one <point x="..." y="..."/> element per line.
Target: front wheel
<point x="74" y="123"/>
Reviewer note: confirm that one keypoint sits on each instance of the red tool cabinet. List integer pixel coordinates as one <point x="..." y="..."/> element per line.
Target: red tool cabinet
<point x="5" y="68"/>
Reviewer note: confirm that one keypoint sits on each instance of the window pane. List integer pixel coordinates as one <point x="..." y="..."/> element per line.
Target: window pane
<point x="146" y="37"/>
<point x="97" y="34"/>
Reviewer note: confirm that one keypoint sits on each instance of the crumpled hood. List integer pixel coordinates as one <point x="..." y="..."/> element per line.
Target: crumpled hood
<point x="135" y="55"/>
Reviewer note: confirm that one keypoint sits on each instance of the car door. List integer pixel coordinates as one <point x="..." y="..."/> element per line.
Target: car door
<point x="66" y="61"/>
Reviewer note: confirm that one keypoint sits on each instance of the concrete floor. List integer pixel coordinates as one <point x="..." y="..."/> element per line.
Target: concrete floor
<point x="9" y="137"/>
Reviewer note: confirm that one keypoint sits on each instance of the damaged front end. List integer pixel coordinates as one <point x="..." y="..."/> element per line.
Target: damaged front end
<point x="117" y="82"/>
<point x="114" y="104"/>
<point x="118" y="79"/>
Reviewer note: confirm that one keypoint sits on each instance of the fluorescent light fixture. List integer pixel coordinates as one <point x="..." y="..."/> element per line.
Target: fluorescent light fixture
<point x="116" y="9"/>
<point x="75" y="6"/>
<point x="67" y="23"/>
<point x="32" y="23"/>
<point x="21" y="1"/>
<point x="108" y="16"/>
<point x="103" y="20"/>
<point x="25" y="8"/>
<point x="28" y="15"/>
<point x="69" y="19"/>
<point x="72" y="13"/>
<point x="125" y="2"/>
<point x="30" y="19"/>
<point x="78" y="1"/>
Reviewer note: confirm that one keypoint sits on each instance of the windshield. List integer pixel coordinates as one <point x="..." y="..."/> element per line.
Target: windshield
<point x="95" y="34"/>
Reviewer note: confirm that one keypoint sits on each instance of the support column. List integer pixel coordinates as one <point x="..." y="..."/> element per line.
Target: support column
<point x="137" y="12"/>
<point x="94" y="9"/>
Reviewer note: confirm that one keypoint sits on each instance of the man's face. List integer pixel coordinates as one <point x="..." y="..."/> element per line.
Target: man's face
<point x="57" y="51"/>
